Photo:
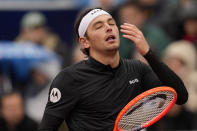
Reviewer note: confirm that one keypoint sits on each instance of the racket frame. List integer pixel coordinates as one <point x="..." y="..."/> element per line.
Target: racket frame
<point x="141" y="96"/>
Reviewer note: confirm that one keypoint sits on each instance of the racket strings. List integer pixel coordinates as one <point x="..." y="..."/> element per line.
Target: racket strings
<point x="145" y="110"/>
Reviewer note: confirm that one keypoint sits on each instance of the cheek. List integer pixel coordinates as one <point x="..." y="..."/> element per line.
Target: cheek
<point x="97" y="36"/>
<point x="117" y="30"/>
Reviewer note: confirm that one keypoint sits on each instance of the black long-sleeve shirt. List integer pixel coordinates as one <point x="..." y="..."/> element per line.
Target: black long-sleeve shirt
<point x="89" y="95"/>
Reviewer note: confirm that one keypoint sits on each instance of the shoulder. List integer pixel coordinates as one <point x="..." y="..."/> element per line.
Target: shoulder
<point x="64" y="83"/>
<point x="72" y="69"/>
<point x="135" y="65"/>
<point x="69" y="74"/>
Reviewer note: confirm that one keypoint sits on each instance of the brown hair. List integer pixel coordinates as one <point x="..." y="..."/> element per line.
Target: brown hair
<point x="76" y="26"/>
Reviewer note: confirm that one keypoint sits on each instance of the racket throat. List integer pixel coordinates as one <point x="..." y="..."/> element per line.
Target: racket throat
<point x="137" y="129"/>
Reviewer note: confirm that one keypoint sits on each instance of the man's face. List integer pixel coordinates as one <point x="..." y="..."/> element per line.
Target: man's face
<point x="12" y="109"/>
<point x="132" y="15"/>
<point x="103" y="35"/>
<point x="190" y="27"/>
<point x="36" y="35"/>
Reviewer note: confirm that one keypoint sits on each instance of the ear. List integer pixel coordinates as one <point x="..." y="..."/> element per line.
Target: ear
<point x="84" y="42"/>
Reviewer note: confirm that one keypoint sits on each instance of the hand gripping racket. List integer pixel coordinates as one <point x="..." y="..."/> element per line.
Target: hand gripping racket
<point x="146" y="109"/>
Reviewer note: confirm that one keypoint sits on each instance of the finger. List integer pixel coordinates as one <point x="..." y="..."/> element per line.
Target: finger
<point x="128" y="24"/>
<point x="128" y="32"/>
<point x="130" y="27"/>
<point x="124" y="28"/>
<point x="130" y="37"/>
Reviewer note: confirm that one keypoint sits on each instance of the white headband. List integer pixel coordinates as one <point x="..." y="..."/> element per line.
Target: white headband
<point x="87" y="19"/>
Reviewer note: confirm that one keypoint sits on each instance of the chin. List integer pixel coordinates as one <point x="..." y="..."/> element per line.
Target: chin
<point x="113" y="48"/>
<point x="115" y="45"/>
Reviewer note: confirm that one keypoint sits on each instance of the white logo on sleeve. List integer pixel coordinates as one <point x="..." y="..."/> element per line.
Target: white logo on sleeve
<point x="55" y="95"/>
<point x="133" y="81"/>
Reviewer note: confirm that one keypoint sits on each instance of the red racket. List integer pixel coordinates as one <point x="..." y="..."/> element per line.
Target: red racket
<point x="146" y="109"/>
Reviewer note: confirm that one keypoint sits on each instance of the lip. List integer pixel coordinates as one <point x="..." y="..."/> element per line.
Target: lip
<point x="113" y="38"/>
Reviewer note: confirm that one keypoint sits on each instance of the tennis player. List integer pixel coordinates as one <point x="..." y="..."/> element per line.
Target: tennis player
<point x="89" y="95"/>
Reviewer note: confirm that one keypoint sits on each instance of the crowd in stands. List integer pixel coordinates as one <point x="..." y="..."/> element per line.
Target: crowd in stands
<point x="29" y="63"/>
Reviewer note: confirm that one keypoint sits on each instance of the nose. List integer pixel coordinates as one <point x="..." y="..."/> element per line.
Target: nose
<point x="108" y="28"/>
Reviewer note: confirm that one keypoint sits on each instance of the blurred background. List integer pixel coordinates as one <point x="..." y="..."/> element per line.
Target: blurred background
<point x="37" y="40"/>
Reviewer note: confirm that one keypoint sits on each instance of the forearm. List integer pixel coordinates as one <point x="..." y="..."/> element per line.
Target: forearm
<point x="167" y="76"/>
<point x="50" y="123"/>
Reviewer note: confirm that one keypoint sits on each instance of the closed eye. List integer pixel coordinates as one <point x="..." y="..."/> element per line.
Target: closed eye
<point x="111" y="21"/>
<point x="98" y="26"/>
<point x="111" y="24"/>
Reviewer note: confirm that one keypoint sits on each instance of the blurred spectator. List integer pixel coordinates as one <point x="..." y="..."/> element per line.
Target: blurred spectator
<point x="108" y="5"/>
<point x="189" y="19"/>
<point x="171" y="19"/>
<point x="176" y="119"/>
<point x="134" y="13"/>
<point x="13" y="117"/>
<point x="5" y="83"/>
<point x="36" y="92"/>
<point x="77" y="54"/>
<point x="34" y="29"/>
<point x="16" y="63"/>
<point x="97" y="3"/>
<point x="154" y="9"/>
<point x="105" y="4"/>
<point x="191" y="104"/>
<point x="181" y="57"/>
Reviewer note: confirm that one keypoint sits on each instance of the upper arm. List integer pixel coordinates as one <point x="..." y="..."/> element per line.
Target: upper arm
<point x="63" y="96"/>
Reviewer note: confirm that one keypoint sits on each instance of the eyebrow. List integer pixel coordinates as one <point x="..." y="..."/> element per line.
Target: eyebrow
<point x="110" y="19"/>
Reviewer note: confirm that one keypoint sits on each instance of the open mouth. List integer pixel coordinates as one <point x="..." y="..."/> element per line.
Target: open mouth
<point x="110" y="38"/>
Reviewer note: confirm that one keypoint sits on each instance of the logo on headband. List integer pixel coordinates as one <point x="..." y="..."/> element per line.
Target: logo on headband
<point x="95" y="11"/>
<point x="87" y="20"/>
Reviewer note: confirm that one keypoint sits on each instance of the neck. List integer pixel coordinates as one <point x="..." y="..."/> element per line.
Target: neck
<point x="112" y="58"/>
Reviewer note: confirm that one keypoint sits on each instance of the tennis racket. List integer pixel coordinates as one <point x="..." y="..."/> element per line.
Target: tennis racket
<point x="145" y="109"/>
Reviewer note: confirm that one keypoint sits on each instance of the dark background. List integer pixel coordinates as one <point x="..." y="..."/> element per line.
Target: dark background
<point x="59" y="21"/>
